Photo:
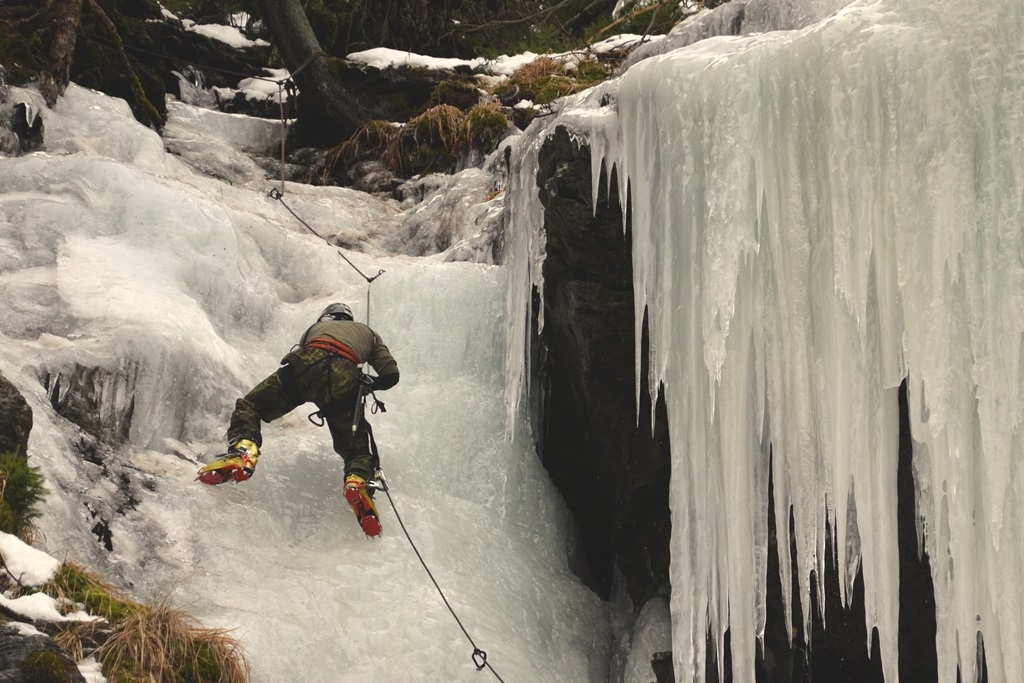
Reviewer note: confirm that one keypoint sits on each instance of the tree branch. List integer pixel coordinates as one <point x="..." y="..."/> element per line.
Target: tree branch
<point x="69" y="15"/>
<point x="150" y="114"/>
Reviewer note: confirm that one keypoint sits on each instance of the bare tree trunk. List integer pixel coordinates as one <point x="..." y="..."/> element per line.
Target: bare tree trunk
<point x="145" y="112"/>
<point x="328" y="111"/>
<point x="65" y="31"/>
<point x="589" y="14"/>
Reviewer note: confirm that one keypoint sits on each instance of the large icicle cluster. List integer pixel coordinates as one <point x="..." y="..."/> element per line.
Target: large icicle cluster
<point x="817" y="215"/>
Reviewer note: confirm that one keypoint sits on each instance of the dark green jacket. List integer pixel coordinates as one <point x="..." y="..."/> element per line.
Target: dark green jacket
<point x="364" y="342"/>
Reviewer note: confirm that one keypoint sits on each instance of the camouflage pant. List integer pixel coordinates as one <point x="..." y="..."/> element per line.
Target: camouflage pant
<point x="309" y="376"/>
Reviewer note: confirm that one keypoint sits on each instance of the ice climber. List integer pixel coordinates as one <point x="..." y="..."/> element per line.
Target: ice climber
<point x="323" y="368"/>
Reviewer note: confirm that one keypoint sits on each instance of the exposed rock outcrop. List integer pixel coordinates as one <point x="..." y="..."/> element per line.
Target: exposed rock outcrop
<point x="99" y="400"/>
<point x="99" y="404"/>
<point x="21" y="127"/>
<point x="26" y="654"/>
<point x="29" y="656"/>
<point x="613" y="473"/>
<point x="15" y="419"/>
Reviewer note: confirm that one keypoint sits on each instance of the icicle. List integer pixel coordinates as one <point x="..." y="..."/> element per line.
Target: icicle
<point x="817" y="215"/>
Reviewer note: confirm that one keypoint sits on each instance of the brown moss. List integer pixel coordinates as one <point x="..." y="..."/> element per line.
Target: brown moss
<point x="461" y="92"/>
<point x="48" y="666"/>
<point x="546" y="79"/>
<point x="485" y="125"/>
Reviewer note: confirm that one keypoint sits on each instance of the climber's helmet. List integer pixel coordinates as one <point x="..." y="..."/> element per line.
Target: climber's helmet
<point x="336" y="312"/>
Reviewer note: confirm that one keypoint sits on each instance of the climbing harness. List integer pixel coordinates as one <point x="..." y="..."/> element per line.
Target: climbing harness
<point x="380" y="482"/>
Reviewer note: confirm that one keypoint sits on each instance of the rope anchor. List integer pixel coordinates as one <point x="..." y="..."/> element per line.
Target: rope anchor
<point x="279" y="196"/>
<point x="479" y="656"/>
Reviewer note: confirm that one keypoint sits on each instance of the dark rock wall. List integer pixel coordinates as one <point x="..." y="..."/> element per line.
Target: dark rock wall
<point x="26" y="655"/>
<point x="613" y="474"/>
<point x="15" y="419"/>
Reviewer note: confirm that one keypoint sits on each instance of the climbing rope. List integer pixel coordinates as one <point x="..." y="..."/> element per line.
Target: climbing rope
<point x="287" y="84"/>
<point x="479" y="656"/>
<point x="357" y="413"/>
<point x="283" y="85"/>
<point x="276" y="194"/>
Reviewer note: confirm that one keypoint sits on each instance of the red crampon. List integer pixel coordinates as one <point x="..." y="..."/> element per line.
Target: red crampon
<point x="362" y="505"/>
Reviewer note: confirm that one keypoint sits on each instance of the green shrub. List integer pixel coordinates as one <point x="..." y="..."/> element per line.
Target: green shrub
<point x="21" y="492"/>
<point x="484" y="125"/>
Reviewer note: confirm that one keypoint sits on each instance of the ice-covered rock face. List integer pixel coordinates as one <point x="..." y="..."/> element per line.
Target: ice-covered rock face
<point x="612" y="472"/>
<point x="99" y="400"/>
<point x="21" y="126"/>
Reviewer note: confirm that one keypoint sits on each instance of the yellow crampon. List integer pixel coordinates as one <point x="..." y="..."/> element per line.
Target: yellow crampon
<point x="239" y="465"/>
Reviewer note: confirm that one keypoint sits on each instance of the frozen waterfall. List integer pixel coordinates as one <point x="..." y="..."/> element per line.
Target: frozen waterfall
<point x="174" y="293"/>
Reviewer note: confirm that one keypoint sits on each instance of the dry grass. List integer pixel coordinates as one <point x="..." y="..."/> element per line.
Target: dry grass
<point x="139" y="643"/>
<point x="161" y="644"/>
<point x="81" y="638"/>
<point x="545" y="79"/>
<point x="537" y="69"/>
<point x="442" y="124"/>
<point x="430" y="142"/>
<point x="373" y="136"/>
<point x="438" y="128"/>
<point x="31" y="534"/>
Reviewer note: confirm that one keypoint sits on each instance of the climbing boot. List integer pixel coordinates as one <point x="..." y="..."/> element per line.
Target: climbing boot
<point x="362" y="505"/>
<point x="238" y="464"/>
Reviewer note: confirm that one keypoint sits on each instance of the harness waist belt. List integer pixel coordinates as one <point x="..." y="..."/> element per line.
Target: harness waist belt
<point x="334" y="346"/>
